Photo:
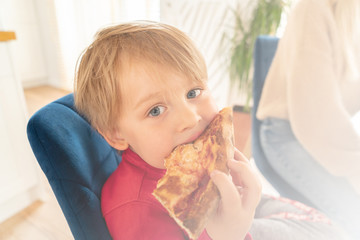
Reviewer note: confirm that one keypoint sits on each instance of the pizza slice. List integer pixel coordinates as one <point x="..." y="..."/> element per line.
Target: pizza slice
<point x="186" y="189"/>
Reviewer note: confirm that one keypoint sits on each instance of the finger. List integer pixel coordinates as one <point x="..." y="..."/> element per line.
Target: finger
<point x="244" y="176"/>
<point x="243" y="173"/>
<point x="238" y="170"/>
<point x="239" y="156"/>
<point x="240" y="190"/>
<point x="228" y="192"/>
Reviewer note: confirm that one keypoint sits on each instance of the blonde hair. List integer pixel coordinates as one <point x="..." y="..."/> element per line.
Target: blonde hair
<point x="99" y="74"/>
<point x="347" y="18"/>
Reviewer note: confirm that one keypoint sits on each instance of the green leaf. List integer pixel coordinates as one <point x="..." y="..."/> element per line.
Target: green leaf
<point x="265" y="20"/>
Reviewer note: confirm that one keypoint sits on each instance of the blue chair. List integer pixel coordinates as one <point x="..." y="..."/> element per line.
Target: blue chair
<point x="76" y="161"/>
<point x="265" y="48"/>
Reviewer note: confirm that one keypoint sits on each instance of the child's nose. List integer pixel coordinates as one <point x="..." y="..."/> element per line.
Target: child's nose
<point x="188" y="118"/>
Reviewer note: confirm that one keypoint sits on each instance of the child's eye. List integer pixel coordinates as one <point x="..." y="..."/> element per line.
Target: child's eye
<point x="193" y="93"/>
<point x="156" y="111"/>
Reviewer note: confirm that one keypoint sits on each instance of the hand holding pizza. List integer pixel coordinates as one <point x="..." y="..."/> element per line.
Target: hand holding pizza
<point x="225" y="205"/>
<point x="240" y="194"/>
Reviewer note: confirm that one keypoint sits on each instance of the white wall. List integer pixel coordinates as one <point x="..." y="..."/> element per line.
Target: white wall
<point x="20" y="16"/>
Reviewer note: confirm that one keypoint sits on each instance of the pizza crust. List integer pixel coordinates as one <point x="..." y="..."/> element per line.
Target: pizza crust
<point x="186" y="189"/>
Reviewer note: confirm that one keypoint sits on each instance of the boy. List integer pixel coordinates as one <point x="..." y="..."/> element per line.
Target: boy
<point x="143" y="87"/>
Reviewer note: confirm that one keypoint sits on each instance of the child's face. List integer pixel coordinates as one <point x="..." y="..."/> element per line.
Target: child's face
<point x="158" y="115"/>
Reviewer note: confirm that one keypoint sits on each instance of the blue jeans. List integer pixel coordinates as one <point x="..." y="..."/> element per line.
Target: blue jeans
<point x="330" y="194"/>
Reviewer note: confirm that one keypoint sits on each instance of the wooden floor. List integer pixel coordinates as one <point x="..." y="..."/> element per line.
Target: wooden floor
<point x="43" y="220"/>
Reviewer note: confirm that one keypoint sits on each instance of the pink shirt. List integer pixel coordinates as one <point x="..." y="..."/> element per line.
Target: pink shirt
<point x="129" y="208"/>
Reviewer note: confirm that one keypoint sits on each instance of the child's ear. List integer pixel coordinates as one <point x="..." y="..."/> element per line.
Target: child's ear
<point x="116" y="141"/>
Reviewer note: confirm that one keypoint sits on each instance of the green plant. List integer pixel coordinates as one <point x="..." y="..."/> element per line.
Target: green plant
<point x="265" y="20"/>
